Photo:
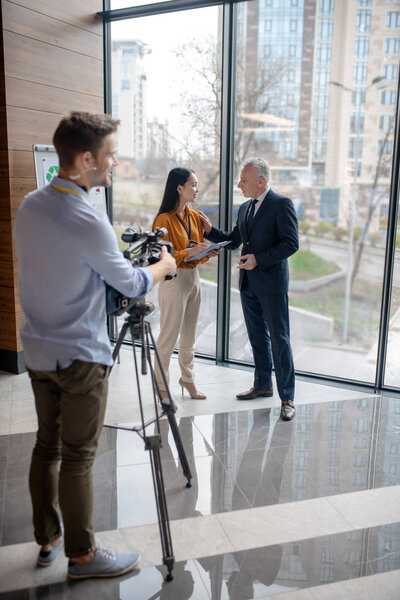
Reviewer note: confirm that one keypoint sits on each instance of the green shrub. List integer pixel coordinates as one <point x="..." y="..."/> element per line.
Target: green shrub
<point x="375" y="237"/>
<point x="357" y="231"/>
<point x="383" y="222"/>
<point x="323" y="227"/>
<point x="339" y="233"/>
<point x="305" y="265"/>
<point x="304" y="227"/>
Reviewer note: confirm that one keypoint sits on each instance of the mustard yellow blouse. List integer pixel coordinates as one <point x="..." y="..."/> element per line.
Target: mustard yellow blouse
<point x="179" y="237"/>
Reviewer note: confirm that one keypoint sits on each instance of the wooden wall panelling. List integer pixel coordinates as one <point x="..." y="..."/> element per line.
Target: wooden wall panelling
<point x="27" y="127"/>
<point x="8" y="273"/>
<point x="2" y="85"/>
<point x="52" y="64"/>
<point x="12" y="192"/>
<point x="28" y="22"/>
<point x="9" y="328"/>
<point x="7" y="299"/>
<point x="6" y="245"/>
<point x="21" y="163"/>
<point x="19" y="188"/>
<point x="5" y="209"/>
<point x="2" y="80"/>
<point x="4" y="163"/>
<point x="8" y="331"/>
<point x="36" y="61"/>
<point x="36" y="96"/>
<point x="80" y="13"/>
<point x="3" y="128"/>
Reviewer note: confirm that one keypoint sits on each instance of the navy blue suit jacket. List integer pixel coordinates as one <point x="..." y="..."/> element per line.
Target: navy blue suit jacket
<point x="272" y="239"/>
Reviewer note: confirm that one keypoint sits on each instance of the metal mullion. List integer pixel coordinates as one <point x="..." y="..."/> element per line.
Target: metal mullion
<point x="225" y="205"/>
<point x="390" y="252"/>
<point x="111" y="321"/>
<point x="107" y="89"/>
<point x="121" y="14"/>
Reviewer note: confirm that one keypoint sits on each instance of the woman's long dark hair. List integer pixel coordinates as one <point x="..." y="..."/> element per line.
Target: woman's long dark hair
<point x="170" y="201"/>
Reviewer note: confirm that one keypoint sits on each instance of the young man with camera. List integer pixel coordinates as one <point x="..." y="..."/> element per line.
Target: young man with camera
<point x="67" y="251"/>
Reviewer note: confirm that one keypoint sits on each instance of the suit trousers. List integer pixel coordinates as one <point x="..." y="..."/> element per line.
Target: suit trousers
<point x="70" y="405"/>
<point x="179" y="300"/>
<point x="267" y="323"/>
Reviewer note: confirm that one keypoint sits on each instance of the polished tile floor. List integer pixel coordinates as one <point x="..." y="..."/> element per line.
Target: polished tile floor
<point x="305" y="509"/>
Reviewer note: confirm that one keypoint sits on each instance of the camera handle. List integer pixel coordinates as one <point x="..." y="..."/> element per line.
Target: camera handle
<point x="140" y="330"/>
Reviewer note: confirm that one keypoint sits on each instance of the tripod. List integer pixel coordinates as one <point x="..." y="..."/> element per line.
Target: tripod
<point x="140" y="330"/>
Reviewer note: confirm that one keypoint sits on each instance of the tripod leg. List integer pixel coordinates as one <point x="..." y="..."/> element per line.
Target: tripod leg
<point x="179" y="446"/>
<point x="116" y="333"/>
<point x="170" y="412"/>
<point x="167" y="404"/>
<point x="120" y="339"/>
<point x="153" y="444"/>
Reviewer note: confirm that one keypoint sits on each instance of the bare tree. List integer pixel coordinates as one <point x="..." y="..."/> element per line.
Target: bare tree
<point x="255" y="92"/>
<point x="375" y="198"/>
<point x="199" y="102"/>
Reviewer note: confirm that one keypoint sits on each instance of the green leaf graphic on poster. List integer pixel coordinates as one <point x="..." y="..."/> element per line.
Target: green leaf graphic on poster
<point x="52" y="172"/>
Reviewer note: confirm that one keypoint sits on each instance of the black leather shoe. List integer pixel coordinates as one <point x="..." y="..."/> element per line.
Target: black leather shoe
<point x="287" y="411"/>
<point x="255" y="392"/>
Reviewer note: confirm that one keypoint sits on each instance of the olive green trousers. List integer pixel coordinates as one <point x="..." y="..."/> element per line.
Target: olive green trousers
<point x="70" y="406"/>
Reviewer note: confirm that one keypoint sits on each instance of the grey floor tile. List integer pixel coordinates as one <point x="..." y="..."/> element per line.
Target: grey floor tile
<point x="263" y="492"/>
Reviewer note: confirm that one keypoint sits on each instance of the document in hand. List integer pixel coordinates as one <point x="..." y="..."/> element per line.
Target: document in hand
<point x="203" y="253"/>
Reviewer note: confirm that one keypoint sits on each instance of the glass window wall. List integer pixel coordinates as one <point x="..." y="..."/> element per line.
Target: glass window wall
<point x="166" y="85"/>
<point x="323" y="118"/>
<point x="337" y="175"/>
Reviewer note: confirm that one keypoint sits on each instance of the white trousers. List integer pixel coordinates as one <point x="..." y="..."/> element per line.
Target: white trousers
<point x="179" y="300"/>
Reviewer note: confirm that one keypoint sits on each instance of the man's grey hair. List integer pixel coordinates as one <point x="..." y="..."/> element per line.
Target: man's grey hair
<point x="260" y="165"/>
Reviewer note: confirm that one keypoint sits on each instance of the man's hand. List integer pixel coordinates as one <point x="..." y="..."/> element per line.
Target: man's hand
<point x="214" y="252"/>
<point x="167" y="261"/>
<point x="165" y="266"/>
<point x="205" y="221"/>
<point x="247" y="262"/>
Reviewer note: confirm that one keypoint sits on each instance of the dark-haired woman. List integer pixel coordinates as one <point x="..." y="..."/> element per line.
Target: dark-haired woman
<point x="179" y="298"/>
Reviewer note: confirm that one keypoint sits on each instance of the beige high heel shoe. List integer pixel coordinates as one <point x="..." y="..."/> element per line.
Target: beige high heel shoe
<point x="193" y="392"/>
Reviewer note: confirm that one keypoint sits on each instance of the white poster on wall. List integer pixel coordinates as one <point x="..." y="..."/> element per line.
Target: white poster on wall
<point x="47" y="166"/>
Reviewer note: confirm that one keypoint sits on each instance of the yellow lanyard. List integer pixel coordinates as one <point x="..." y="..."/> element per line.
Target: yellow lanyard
<point x="69" y="191"/>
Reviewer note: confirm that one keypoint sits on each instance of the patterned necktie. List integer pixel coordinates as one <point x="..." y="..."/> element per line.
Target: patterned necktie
<point x="250" y="218"/>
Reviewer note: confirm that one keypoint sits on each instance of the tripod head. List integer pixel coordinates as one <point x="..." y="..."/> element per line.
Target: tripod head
<point x="139" y="309"/>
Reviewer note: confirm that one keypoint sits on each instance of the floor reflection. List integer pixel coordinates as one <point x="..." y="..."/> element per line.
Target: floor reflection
<point x="254" y="573"/>
<point x="274" y="569"/>
<point x="238" y="460"/>
<point x="328" y="449"/>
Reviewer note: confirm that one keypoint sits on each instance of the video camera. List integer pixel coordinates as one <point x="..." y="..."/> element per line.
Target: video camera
<point x="145" y="249"/>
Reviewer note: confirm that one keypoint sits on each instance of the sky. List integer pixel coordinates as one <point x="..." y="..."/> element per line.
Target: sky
<point x="162" y="33"/>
